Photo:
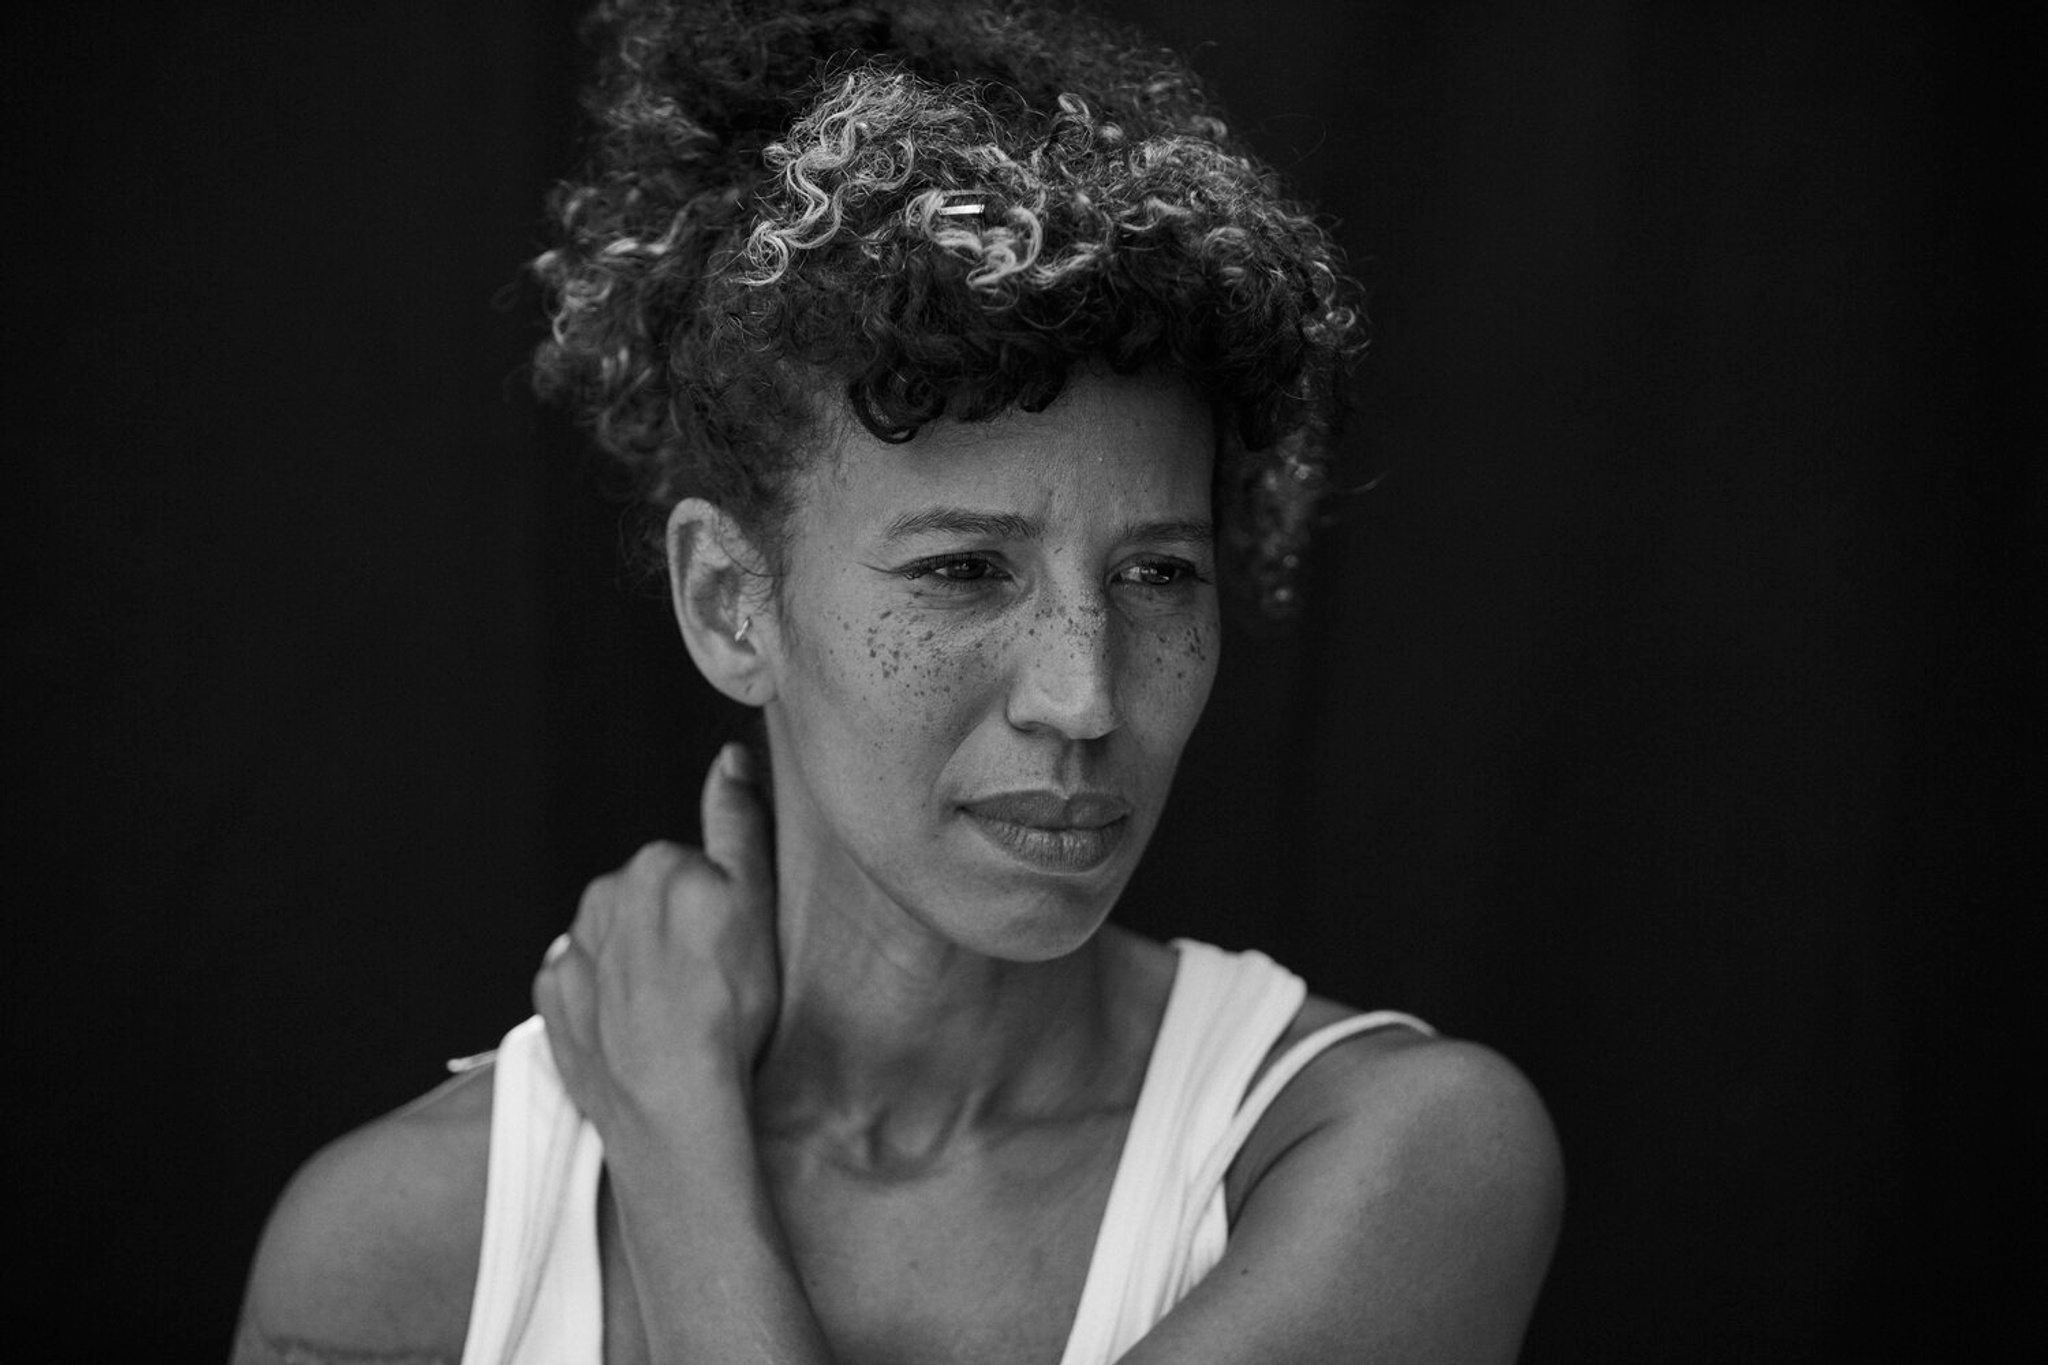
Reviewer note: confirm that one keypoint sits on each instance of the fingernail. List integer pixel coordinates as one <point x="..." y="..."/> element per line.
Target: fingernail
<point x="557" y="948"/>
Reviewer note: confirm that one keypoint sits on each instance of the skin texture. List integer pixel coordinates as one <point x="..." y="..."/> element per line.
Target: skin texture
<point x="862" y="1084"/>
<point x="1073" y="650"/>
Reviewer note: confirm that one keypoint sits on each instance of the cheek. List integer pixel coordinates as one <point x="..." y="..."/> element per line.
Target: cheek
<point x="1177" y="668"/>
<point x="896" y="682"/>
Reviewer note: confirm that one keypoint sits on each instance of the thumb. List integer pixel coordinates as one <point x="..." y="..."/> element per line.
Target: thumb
<point x="736" y="824"/>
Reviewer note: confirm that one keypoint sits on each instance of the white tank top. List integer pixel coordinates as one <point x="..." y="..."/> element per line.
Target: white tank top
<point x="539" y="1300"/>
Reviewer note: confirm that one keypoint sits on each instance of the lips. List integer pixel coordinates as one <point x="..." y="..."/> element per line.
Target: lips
<point x="1050" y="810"/>
<point x="1058" y="833"/>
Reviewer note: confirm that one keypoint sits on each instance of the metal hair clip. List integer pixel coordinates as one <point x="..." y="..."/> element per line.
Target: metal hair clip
<point x="959" y="210"/>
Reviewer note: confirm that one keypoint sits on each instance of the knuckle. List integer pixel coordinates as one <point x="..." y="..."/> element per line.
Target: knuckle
<point x="693" y="876"/>
<point x="690" y="863"/>
<point x="595" y="910"/>
<point x="655" y="856"/>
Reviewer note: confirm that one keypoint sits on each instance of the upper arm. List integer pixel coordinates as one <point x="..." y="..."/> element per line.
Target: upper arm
<point x="1406" y="1215"/>
<point x="371" y="1251"/>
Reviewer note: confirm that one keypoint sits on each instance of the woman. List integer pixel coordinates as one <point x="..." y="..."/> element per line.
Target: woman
<point x="960" y="355"/>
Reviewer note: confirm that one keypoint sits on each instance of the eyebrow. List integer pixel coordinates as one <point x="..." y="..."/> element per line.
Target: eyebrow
<point x="965" y="521"/>
<point x="1195" y="532"/>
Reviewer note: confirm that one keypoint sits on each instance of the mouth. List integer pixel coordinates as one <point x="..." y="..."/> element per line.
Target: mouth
<point x="1052" y="832"/>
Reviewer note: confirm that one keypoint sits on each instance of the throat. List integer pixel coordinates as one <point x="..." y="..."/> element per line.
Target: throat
<point x="892" y="1144"/>
<point x="985" y="1256"/>
<point x="981" y="1255"/>
<point x="938" y="1223"/>
<point x="882" y="1069"/>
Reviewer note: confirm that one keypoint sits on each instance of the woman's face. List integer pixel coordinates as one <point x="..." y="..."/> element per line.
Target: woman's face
<point x="992" y="642"/>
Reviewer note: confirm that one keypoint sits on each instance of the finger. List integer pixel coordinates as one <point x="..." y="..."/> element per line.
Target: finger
<point x="565" y="1046"/>
<point x="594" y="911"/>
<point x="654" y="860"/>
<point x="736" y="824"/>
<point x="547" y="993"/>
<point x="598" y="912"/>
<point x="562" y="993"/>
<point x="641" y="894"/>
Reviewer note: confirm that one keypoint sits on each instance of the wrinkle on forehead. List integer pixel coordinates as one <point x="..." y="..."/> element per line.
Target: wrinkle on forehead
<point x="1024" y="484"/>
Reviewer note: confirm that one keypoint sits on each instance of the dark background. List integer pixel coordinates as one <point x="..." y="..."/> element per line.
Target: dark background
<point x="1665" y="717"/>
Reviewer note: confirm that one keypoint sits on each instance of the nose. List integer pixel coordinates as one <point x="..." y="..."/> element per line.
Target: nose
<point x="1065" y="679"/>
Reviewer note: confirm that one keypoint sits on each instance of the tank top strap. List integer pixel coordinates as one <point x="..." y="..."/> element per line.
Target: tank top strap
<point x="1222" y="1017"/>
<point x="1284" y="1069"/>
<point x="537" y="1296"/>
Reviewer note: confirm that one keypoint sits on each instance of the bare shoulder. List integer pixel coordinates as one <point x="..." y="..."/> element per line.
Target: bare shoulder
<point x="1453" y="1112"/>
<point x="1409" y="1188"/>
<point x="370" y="1253"/>
<point x="1392" y="1097"/>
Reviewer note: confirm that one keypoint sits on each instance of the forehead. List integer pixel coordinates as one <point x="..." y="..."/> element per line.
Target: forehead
<point x="1113" y="448"/>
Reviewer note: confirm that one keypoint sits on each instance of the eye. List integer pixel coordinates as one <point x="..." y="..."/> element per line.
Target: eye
<point x="958" y="569"/>
<point x="1160" y="573"/>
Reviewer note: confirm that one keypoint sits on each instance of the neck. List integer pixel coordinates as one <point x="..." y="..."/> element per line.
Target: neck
<point x="892" y="1042"/>
<point x="905" y="1042"/>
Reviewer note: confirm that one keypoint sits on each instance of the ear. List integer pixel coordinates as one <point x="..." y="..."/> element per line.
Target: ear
<point x="718" y="585"/>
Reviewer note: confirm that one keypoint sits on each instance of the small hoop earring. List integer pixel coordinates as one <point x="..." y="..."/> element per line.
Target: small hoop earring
<point x="746" y="623"/>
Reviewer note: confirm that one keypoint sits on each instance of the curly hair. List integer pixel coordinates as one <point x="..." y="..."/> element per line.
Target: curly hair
<point x="939" y="210"/>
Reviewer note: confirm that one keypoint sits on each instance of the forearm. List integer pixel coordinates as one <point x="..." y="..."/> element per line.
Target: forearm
<point x="711" y="1263"/>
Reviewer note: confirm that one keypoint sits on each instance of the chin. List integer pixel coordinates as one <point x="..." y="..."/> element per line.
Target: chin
<point x="1035" y="923"/>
